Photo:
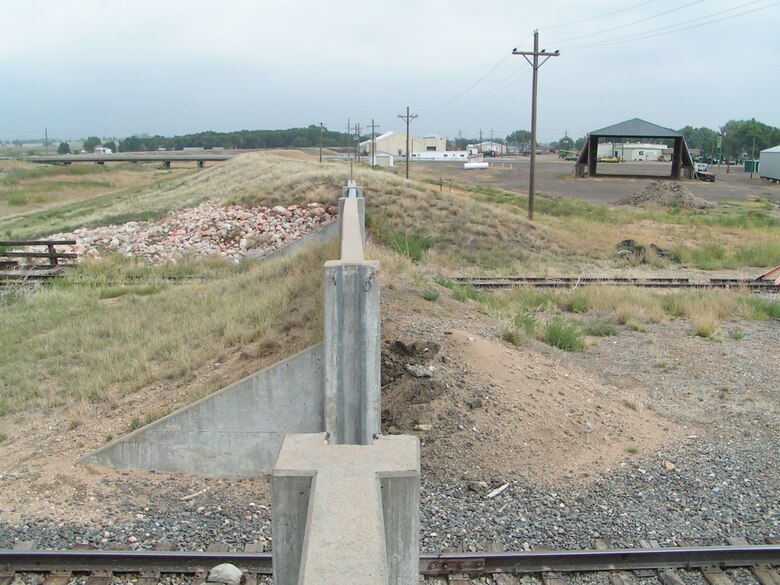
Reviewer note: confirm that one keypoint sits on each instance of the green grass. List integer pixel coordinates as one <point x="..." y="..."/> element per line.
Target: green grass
<point x="599" y="328"/>
<point x="86" y="338"/>
<point x="564" y="335"/>
<point x="430" y="294"/>
<point x="412" y="245"/>
<point x="608" y="308"/>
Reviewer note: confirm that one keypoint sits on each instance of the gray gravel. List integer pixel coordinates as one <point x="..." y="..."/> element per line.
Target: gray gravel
<point x="715" y="491"/>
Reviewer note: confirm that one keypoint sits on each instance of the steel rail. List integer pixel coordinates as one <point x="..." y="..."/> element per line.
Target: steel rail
<point x="442" y="564"/>
<point x="552" y="282"/>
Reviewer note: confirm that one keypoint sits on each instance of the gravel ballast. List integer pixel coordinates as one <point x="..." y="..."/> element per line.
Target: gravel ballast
<point x="718" y="492"/>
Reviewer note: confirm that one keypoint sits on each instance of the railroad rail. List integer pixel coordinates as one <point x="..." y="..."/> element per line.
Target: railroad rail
<point x="551" y="565"/>
<point x="575" y="281"/>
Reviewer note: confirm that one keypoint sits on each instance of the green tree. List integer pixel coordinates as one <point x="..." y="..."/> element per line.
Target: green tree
<point x="110" y="144"/>
<point x="702" y="138"/>
<point x="519" y="138"/>
<point x="580" y="142"/>
<point x="63" y="148"/>
<point x="130" y="144"/>
<point x="566" y="143"/>
<point x="91" y="142"/>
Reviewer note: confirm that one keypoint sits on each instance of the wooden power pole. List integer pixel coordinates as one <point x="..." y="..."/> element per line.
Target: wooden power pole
<point x="535" y="64"/>
<point x="373" y="142"/>
<point x="407" y="118"/>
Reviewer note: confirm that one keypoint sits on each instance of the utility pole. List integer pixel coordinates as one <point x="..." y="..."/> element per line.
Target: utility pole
<point x="46" y="140"/>
<point x="534" y="63"/>
<point x="357" y="142"/>
<point x="480" y="140"/>
<point x="753" y="158"/>
<point x="320" y="141"/>
<point x="373" y="142"/>
<point x="407" y="118"/>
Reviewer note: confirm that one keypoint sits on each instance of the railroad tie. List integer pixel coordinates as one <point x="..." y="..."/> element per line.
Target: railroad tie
<point x="615" y="577"/>
<point x="765" y="574"/>
<point x="550" y="577"/>
<point x="456" y="578"/>
<point x="100" y="578"/>
<point x="665" y="576"/>
<point x="713" y="574"/>
<point x="58" y="578"/>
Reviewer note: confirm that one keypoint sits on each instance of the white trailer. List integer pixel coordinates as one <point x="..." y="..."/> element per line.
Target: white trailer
<point x="769" y="164"/>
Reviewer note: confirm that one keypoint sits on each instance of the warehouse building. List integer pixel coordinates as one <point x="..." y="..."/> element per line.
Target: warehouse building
<point x="395" y="143"/>
<point x="634" y="151"/>
<point x="769" y="164"/>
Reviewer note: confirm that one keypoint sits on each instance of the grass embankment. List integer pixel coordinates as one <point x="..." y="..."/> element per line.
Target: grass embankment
<point x="150" y="198"/>
<point x="114" y="326"/>
<point x="721" y="238"/>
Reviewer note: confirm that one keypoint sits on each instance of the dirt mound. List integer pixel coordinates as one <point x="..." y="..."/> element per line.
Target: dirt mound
<point x="668" y="194"/>
<point x="485" y="410"/>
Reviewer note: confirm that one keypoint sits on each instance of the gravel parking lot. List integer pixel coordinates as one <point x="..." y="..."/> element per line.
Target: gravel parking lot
<point x="555" y="176"/>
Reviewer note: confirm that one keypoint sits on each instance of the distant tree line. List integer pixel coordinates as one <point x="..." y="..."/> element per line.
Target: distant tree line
<point x="734" y="139"/>
<point x="242" y="139"/>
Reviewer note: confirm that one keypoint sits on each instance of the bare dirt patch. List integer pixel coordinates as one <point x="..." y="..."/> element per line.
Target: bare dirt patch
<point x="484" y="408"/>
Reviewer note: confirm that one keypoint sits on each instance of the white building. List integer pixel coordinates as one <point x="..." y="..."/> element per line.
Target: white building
<point x="395" y="143"/>
<point x="489" y="145"/>
<point x="628" y="151"/>
<point x="769" y="165"/>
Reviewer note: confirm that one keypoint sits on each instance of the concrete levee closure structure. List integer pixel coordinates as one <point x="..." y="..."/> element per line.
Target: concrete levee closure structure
<point x="345" y="498"/>
<point x="346" y="502"/>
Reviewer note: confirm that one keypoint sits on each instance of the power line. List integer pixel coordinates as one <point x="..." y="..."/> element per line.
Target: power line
<point x="631" y="23"/>
<point x="546" y="28"/>
<point x="677" y="27"/>
<point x="480" y="80"/>
<point x="473" y="85"/>
<point x="497" y="89"/>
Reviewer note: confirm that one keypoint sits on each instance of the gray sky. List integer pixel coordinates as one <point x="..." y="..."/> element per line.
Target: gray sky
<point x="116" y="68"/>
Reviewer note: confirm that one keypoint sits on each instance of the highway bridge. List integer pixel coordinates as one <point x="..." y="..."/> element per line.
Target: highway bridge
<point x="165" y="158"/>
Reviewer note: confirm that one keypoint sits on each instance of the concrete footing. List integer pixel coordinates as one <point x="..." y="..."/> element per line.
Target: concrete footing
<point x="346" y="513"/>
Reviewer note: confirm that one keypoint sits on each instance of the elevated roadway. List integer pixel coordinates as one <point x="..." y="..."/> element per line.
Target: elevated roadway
<point x="165" y="158"/>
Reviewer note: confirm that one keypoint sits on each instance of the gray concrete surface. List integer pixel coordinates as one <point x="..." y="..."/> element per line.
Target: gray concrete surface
<point x="354" y="509"/>
<point x="320" y="236"/>
<point x="237" y="431"/>
<point x="352" y="337"/>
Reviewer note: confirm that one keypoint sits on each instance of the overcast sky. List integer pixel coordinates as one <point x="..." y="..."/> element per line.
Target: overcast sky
<point x="114" y="68"/>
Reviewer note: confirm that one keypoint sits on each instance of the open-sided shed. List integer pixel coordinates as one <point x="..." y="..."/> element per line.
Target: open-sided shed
<point x="682" y="163"/>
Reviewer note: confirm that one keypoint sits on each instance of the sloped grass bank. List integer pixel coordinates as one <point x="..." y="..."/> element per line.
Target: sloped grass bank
<point x="115" y="326"/>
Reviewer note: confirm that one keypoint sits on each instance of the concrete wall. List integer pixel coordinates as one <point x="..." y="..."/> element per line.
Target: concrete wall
<point x="323" y="235"/>
<point x="346" y="513"/>
<point x="237" y="431"/>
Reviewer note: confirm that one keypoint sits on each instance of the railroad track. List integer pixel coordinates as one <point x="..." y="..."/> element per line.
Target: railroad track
<point x="99" y="567"/>
<point x="574" y="281"/>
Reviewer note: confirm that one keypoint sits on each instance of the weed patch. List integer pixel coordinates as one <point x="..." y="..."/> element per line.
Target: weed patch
<point x="564" y="335"/>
